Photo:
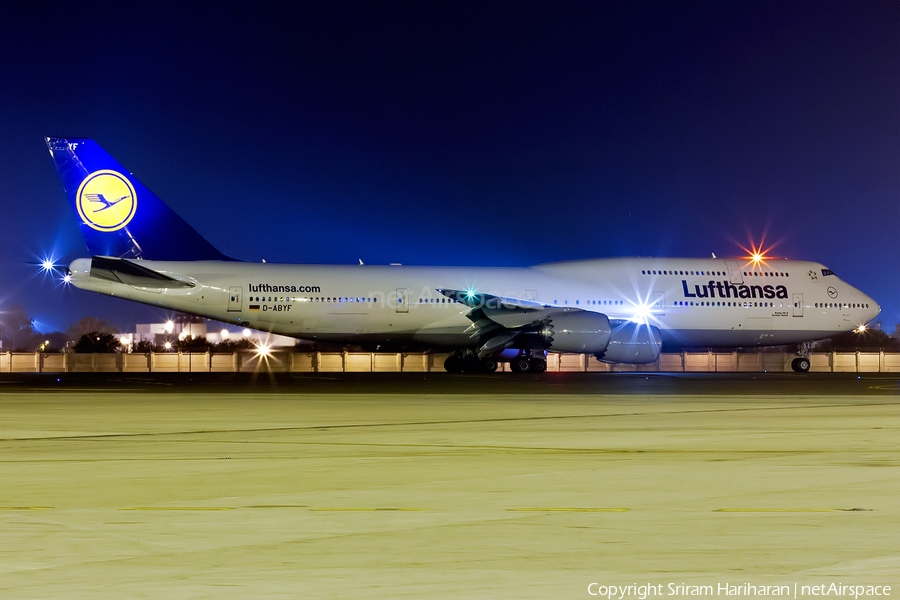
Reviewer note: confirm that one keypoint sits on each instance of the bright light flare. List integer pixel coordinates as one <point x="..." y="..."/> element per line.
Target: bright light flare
<point x="67" y="278"/>
<point x="263" y="351"/>
<point x="757" y="254"/>
<point x="47" y="265"/>
<point x="860" y="329"/>
<point x="640" y="313"/>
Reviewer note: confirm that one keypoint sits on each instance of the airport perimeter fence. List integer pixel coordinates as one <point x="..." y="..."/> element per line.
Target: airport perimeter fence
<point x="379" y="362"/>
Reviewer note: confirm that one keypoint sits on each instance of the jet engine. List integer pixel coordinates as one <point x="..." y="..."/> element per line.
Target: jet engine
<point x="632" y="343"/>
<point x="579" y="332"/>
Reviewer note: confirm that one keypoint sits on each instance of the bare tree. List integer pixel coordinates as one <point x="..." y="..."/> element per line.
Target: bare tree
<point x="88" y="325"/>
<point x="16" y="328"/>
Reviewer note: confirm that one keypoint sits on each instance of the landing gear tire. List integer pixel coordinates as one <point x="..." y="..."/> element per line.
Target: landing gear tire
<point x="488" y="365"/>
<point x="453" y="364"/>
<point x="471" y="364"/>
<point x="520" y="364"/>
<point x="800" y="365"/>
<point x="538" y="365"/>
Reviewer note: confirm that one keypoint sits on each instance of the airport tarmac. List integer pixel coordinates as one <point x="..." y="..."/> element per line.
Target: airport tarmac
<point x="438" y="486"/>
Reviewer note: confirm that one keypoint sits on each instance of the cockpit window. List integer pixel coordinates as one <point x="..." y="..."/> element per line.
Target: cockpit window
<point x="827" y="272"/>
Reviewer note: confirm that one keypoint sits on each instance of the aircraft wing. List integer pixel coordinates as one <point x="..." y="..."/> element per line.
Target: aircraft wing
<point x="506" y="312"/>
<point x="501" y="320"/>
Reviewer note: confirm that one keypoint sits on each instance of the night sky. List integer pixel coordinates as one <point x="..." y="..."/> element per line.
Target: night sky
<point x="462" y="133"/>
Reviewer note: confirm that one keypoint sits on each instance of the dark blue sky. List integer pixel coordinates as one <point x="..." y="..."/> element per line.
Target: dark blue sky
<point x="463" y="133"/>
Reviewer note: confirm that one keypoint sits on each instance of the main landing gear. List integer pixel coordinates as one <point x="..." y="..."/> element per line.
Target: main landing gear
<point x="528" y="364"/>
<point x="470" y="363"/>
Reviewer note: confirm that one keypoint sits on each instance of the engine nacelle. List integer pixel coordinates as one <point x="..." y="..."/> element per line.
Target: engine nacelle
<point x="632" y="343"/>
<point x="579" y="332"/>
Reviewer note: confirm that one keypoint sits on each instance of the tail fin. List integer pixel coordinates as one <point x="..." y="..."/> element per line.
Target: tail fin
<point x="119" y="217"/>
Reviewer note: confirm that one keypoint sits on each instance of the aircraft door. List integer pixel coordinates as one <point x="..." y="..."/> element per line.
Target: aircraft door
<point x="798" y="305"/>
<point x="235" y="303"/>
<point x="402" y="300"/>
<point x="658" y="308"/>
<point x="734" y="271"/>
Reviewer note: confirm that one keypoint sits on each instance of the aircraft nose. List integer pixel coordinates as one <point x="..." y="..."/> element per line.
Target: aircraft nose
<point x="874" y="308"/>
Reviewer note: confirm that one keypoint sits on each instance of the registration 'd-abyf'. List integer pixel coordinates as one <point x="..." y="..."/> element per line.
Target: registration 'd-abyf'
<point x="621" y="310"/>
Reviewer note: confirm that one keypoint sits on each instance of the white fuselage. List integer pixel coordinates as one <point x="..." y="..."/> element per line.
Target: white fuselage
<point x="693" y="302"/>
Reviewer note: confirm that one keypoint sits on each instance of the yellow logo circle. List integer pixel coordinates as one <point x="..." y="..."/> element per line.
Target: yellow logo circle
<point x="106" y="200"/>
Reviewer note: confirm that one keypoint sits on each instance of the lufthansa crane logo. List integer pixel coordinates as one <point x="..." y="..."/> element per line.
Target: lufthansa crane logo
<point x="106" y="200"/>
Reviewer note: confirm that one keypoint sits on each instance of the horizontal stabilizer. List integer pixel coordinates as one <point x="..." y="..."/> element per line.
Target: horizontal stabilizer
<point x="129" y="273"/>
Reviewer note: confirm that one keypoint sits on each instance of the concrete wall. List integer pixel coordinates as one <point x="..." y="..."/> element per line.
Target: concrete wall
<point x="379" y="362"/>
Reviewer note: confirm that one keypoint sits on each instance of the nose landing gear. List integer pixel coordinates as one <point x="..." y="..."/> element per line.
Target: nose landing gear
<point x="801" y="364"/>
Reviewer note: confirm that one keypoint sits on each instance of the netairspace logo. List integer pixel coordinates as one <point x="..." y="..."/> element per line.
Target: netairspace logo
<point x="644" y="591"/>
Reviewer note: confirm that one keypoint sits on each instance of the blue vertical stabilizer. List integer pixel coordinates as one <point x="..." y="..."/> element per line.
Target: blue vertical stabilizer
<point x="118" y="215"/>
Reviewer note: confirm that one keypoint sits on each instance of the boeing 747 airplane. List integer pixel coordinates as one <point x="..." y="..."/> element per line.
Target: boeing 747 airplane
<point x="621" y="310"/>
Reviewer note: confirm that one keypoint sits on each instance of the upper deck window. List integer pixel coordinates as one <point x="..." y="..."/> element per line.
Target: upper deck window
<point x="827" y="272"/>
